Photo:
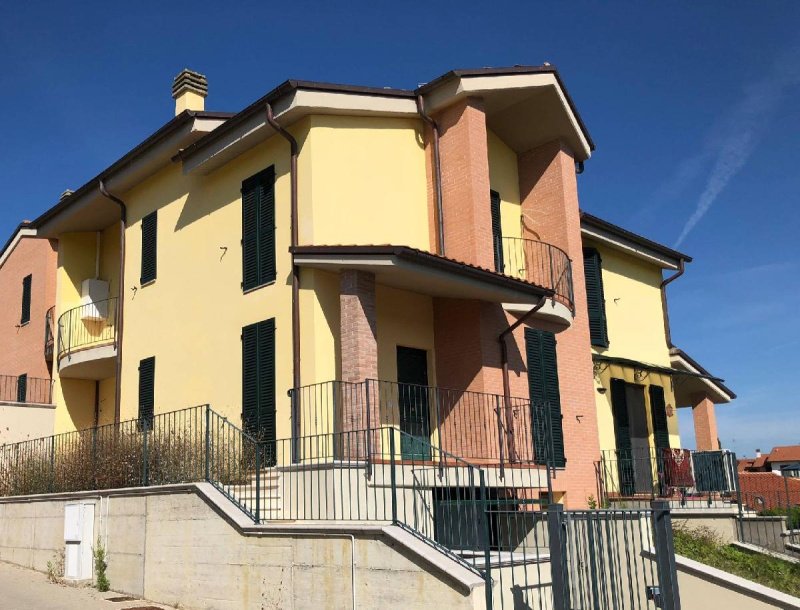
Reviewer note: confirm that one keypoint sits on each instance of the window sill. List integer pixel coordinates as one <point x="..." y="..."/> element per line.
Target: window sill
<point x="147" y="283"/>
<point x="259" y="287"/>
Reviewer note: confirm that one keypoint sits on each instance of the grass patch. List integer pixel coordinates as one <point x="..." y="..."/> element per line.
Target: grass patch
<point x="703" y="545"/>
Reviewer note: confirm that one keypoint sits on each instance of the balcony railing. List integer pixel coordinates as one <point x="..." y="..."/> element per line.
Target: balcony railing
<point x="537" y="262"/>
<point x="22" y="388"/>
<point x="49" y="333"/>
<point x="689" y="478"/>
<point x="90" y="325"/>
<point x="476" y="426"/>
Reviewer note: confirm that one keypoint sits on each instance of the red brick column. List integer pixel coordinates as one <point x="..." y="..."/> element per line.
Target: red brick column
<point x="705" y="423"/>
<point x="359" y="345"/>
<point x="464" y="154"/>
<point x="549" y="195"/>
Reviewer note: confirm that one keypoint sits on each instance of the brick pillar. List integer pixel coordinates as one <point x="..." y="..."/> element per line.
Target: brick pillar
<point x="549" y="196"/>
<point x="464" y="155"/>
<point x="705" y="423"/>
<point x="359" y="345"/>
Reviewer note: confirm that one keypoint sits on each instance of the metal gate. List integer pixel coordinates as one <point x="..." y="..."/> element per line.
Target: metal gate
<point x="554" y="559"/>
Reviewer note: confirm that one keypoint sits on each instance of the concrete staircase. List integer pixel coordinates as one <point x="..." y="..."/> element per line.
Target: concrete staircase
<point x="271" y="506"/>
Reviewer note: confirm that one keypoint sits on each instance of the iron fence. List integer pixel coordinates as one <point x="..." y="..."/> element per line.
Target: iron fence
<point x="685" y="478"/>
<point x="770" y="518"/>
<point x="537" y="262"/>
<point x="21" y="388"/>
<point x="86" y="326"/>
<point x="476" y="426"/>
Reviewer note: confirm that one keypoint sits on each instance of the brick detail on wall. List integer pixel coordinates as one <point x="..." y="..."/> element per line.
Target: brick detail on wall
<point x="359" y="353"/>
<point x="464" y="158"/>
<point x="549" y="197"/>
<point x="705" y="423"/>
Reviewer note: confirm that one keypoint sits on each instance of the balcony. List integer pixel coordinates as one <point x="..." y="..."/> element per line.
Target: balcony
<point x="87" y="340"/>
<point x="24" y="389"/>
<point x="539" y="263"/>
<point x="483" y="428"/>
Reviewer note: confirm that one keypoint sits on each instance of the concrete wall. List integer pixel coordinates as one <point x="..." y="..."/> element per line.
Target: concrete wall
<point x="22" y="422"/>
<point x="176" y="548"/>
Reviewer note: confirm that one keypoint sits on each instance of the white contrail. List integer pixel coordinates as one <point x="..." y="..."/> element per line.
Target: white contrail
<point x="739" y="132"/>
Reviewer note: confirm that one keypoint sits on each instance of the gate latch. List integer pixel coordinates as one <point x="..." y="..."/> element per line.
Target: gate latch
<point x="654" y="595"/>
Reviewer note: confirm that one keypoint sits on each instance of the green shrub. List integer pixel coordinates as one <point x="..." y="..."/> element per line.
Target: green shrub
<point x="100" y="565"/>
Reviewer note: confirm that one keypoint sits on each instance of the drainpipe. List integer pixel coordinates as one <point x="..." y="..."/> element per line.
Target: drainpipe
<point x="664" y="308"/>
<point x="506" y="382"/>
<point x="295" y="269"/>
<point x="437" y="171"/>
<point x="123" y="217"/>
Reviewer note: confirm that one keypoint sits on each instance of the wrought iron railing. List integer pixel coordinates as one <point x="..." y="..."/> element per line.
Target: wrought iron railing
<point x="481" y="427"/>
<point x="537" y="262"/>
<point x="89" y="325"/>
<point x="688" y="478"/>
<point x="49" y="333"/>
<point x="22" y="388"/>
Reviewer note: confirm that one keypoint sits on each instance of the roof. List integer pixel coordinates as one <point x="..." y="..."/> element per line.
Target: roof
<point x="294" y="84"/>
<point x="160" y="134"/>
<point x="678" y="352"/>
<point x="604" y="225"/>
<point x="785" y="453"/>
<point x="430" y="260"/>
<point x="23" y="229"/>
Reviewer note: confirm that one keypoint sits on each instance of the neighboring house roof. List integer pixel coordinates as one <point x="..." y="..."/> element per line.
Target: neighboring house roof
<point x="637" y="245"/>
<point x="744" y="464"/>
<point x="24" y="229"/>
<point x="766" y="490"/>
<point x="785" y="453"/>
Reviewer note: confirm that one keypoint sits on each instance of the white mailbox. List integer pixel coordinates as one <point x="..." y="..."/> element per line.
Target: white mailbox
<point x="78" y="541"/>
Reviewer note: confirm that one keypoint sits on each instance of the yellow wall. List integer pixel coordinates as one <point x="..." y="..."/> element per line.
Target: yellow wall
<point x="362" y="181"/>
<point x="191" y="317"/>
<point x="633" y="308"/>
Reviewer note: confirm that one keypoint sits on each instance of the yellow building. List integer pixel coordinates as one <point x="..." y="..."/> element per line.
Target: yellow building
<point x="641" y="379"/>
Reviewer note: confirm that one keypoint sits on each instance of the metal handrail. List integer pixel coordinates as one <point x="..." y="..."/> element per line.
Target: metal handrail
<point x="537" y="262"/>
<point x="87" y="325"/>
<point x="24" y="389"/>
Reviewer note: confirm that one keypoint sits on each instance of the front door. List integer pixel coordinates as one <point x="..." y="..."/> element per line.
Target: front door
<point x="412" y="399"/>
<point x="634" y="461"/>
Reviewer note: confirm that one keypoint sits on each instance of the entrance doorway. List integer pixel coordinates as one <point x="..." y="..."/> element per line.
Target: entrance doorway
<point x="413" y="403"/>
<point x="635" y="463"/>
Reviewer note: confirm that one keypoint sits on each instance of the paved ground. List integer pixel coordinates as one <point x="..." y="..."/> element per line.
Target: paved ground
<point x="22" y="589"/>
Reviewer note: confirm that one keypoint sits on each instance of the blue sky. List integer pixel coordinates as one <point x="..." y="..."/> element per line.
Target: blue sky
<point x="692" y="106"/>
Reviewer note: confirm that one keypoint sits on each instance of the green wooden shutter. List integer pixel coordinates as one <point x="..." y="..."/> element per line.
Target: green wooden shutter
<point x="22" y="388"/>
<point x="149" y="247"/>
<point x="258" y="382"/>
<point x="622" y="432"/>
<point x="497" y="232"/>
<point x="658" y="412"/>
<point x="258" y="229"/>
<point x="595" y="299"/>
<point x="545" y="396"/>
<point x="26" y="300"/>
<point x="147" y="380"/>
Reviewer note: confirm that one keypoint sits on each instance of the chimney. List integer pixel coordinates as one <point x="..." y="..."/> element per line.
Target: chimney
<point x="758" y="453"/>
<point x="189" y="89"/>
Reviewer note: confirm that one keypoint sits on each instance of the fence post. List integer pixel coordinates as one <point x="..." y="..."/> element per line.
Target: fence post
<point x="258" y="483"/>
<point x="393" y="474"/>
<point x="296" y="422"/>
<point x="208" y="443"/>
<point x="487" y="539"/>
<point x="665" y="556"/>
<point x="368" y="443"/>
<point x="557" y="536"/>
<point x="145" y="474"/>
<point x="436" y="394"/>
<point x="500" y="440"/>
<point x="52" y="462"/>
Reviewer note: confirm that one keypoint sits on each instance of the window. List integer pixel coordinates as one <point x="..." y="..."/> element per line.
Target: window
<point x="595" y="300"/>
<point x="26" y="300"/>
<point x="497" y="232"/>
<point x="22" y="388"/>
<point x="658" y="413"/>
<point x="149" y="248"/>
<point x="548" y="431"/>
<point x="147" y="380"/>
<point x="258" y="229"/>
<point x="258" y="384"/>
